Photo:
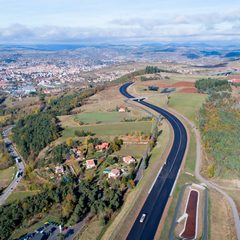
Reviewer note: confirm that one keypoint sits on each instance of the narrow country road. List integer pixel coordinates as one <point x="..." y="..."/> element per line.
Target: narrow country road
<point x="19" y="163"/>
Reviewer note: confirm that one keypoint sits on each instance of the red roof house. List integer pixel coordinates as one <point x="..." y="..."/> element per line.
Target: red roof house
<point x="115" y="173"/>
<point x="103" y="146"/>
<point x="90" y="163"/>
<point x="234" y="80"/>
<point x="129" y="159"/>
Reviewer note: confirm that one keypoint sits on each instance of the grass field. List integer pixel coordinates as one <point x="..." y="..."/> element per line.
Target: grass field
<point x="187" y="104"/>
<point x="98" y="117"/>
<point x="95" y="117"/>
<point x="135" y="150"/>
<point x="19" y="195"/>
<point x="113" y="129"/>
<point x="92" y="230"/>
<point x="105" y="117"/>
<point x="6" y="176"/>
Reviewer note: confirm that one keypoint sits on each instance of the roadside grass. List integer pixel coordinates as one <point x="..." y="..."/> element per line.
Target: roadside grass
<point x="6" y="176"/>
<point x="135" y="198"/>
<point x="187" y="104"/>
<point x="113" y="129"/>
<point x="91" y="230"/>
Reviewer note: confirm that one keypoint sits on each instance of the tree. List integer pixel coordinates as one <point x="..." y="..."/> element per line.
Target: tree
<point x="69" y="142"/>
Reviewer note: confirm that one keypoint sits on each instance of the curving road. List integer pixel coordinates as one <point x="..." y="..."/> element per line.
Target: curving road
<point x="19" y="163"/>
<point x="164" y="183"/>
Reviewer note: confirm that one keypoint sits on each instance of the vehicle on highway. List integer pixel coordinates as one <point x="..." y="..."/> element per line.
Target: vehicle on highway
<point x="143" y="218"/>
<point x="18" y="159"/>
<point x="19" y="174"/>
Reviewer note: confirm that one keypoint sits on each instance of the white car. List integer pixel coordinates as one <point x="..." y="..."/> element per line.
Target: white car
<point x="143" y="218"/>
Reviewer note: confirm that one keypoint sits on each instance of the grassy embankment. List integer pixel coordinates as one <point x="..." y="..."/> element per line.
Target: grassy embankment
<point x="6" y="176"/>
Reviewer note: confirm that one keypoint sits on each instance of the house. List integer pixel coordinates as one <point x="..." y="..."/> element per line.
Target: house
<point x="129" y="159"/>
<point x="115" y="173"/>
<point x="103" y="146"/>
<point x="122" y="109"/>
<point x="78" y="154"/>
<point x="234" y="81"/>
<point x="59" y="169"/>
<point x="90" y="163"/>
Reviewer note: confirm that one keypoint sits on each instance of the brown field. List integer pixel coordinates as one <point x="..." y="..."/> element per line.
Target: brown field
<point x="188" y="90"/>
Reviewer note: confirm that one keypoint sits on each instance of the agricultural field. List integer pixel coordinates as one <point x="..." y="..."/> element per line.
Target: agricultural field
<point x="111" y="129"/>
<point x="182" y="100"/>
<point x="96" y="118"/>
<point x="136" y="150"/>
<point x="187" y="104"/>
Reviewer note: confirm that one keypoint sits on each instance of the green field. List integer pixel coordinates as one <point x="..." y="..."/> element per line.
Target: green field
<point x="105" y="117"/>
<point x="6" y="176"/>
<point x="114" y="129"/>
<point x="135" y="150"/>
<point x="187" y="104"/>
<point x="20" y="195"/>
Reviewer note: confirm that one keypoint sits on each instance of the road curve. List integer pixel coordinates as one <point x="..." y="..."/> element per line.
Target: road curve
<point x="161" y="190"/>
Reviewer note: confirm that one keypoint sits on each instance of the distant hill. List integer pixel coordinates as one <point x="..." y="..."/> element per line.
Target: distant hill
<point x="191" y="55"/>
<point x="211" y="53"/>
<point x="232" y="54"/>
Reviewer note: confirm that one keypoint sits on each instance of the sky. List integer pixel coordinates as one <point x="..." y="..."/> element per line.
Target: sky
<point x="78" y="21"/>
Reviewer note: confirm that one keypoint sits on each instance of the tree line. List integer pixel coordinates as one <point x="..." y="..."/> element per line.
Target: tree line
<point x="35" y="132"/>
<point x="210" y="85"/>
<point x="219" y="122"/>
<point x="76" y="200"/>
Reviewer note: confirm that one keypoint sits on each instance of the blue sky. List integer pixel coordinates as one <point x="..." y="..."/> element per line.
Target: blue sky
<point x="108" y="20"/>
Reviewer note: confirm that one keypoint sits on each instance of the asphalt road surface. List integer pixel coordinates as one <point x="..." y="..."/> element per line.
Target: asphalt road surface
<point x="19" y="163"/>
<point x="161" y="190"/>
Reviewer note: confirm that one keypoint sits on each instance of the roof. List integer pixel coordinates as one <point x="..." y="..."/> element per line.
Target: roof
<point x="128" y="158"/>
<point x="91" y="162"/>
<point x="235" y="80"/>
<point x="115" y="171"/>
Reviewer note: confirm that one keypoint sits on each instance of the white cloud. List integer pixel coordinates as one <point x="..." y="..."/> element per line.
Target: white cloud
<point x="211" y="26"/>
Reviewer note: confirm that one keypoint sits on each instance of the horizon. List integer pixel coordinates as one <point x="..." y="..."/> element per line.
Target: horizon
<point x="95" y="21"/>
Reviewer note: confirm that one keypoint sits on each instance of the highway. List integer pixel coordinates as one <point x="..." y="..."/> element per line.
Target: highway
<point x="164" y="183"/>
<point x="19" y="163"/>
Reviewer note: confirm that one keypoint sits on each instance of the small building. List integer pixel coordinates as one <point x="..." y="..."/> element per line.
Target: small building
<point x="153" y="88"/>
<point x="59" y="169"/>
<point x="90" y="163"/>
<point x="103" y="146"/>
<point x="234" y="81"/>
<point x="115" y="173"/>
<point x="129" y="159"/>
<point x="122" y="109"/>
